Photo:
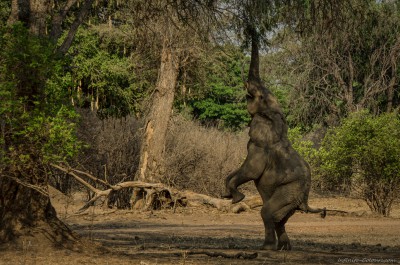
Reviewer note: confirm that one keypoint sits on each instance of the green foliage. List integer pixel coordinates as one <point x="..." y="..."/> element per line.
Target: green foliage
<point x="26" y="63"/>
<point x="359" y="156"/>
<point x="104" y="76"/>
<point x="219" y="96"/>
<point x="364" y="152"/>
<point x="5" y="7"/>
<point x="35" y="124"/>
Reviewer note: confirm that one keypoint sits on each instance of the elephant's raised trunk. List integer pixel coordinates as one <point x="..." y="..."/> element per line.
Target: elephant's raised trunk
<point x="254" y="70"/>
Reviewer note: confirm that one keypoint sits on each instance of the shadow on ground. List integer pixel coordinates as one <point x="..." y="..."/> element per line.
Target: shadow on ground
<point x="158" y="241"/>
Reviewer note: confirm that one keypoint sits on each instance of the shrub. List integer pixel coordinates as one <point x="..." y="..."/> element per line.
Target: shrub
<point x="303" y="146"/>
<point x="113" y="151"/>
<point x="307" y="149"/>
<point x="363" y="152"/>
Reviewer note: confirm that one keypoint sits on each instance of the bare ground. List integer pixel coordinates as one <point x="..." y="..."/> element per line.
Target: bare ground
<point x="183" y="236"/>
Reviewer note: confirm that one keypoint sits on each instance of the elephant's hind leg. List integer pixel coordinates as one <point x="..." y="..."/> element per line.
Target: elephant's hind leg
<point x="275" y="213"/>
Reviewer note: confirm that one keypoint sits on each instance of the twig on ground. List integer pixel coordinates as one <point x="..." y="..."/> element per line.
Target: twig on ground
<point x="216" y="254"/>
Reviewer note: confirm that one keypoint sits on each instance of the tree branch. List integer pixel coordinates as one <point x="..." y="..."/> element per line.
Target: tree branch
<point x="58" y="18"/>
<point x="108" y="185"/>
<point x="83" y="12"/>
<point x="79" y="179"/>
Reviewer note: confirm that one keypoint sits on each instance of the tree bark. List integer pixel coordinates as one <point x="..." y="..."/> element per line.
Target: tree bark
<point x="38" y="16"/>
<point x="349" y="92"/>
<point x="151" y="166"/>
<point x="33" y="13"/>
<point x="20" y="11"/>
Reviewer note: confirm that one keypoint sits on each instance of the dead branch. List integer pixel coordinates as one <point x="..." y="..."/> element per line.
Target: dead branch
<point x="92" y="177"/>
<point x="79" y="179"/>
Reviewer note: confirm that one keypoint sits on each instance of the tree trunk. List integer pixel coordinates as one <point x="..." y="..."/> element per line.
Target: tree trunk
<point x="38" y="16"/>
<point x="390" y="91"/>
<point x="349" y="92"/>
<point x="25" y="207"/>
<point x="58" y="19"/>
<point x="33" y="13"/>
<point x="152" y="161"/>
<point x="27" y="212"/>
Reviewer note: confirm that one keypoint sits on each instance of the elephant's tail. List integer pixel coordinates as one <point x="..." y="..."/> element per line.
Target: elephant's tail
<point x="307" y="209"/>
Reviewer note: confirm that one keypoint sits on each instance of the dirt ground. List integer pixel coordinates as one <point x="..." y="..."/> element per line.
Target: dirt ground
<point x="187" y="235"/>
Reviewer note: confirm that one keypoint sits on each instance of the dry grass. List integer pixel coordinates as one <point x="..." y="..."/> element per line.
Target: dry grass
<point x="114" y="146"/>
<point x="199" y="158"/>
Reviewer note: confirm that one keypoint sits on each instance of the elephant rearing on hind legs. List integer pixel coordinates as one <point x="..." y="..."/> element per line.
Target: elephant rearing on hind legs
<point x="281" y="175"/>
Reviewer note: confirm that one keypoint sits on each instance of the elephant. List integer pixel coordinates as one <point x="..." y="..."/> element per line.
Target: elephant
<point x="281" y="175"/>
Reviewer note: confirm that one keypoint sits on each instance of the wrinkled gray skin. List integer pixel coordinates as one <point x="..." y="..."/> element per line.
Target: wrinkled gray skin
<point x="281" y="175"/>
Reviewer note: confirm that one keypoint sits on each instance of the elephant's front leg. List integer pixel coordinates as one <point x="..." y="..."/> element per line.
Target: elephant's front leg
<point x="251" y="169"/>
<point x="270" y="238"/>
<point x="227" y="194"/>
<point x="283" y="239"/>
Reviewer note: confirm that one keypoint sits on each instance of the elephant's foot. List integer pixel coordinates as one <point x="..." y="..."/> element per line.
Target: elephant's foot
<point x="284" y="245"/>
<point x="269" y="246"/>
<point x="226" y="195"/>
<point x="237" y="197"/>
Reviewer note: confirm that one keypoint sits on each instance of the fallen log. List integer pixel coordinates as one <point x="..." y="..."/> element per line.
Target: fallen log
<point x="157" y="195"/>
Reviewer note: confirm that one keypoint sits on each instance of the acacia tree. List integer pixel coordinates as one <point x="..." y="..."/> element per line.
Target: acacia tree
<point x="34" y="127"/>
